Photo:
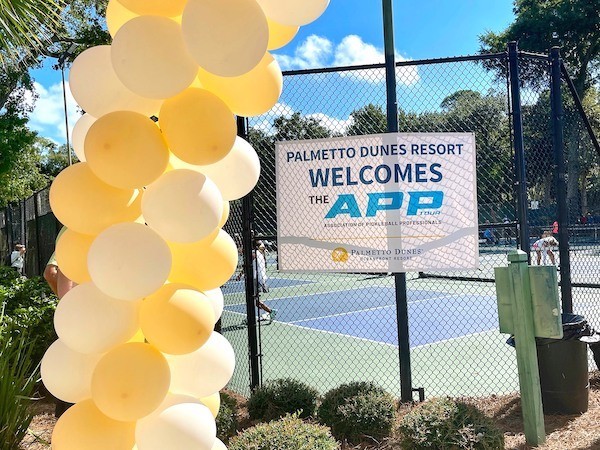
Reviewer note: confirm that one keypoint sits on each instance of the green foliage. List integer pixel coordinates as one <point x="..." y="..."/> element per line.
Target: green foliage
<point x="370" y="119"/>
<point x="288" y="433"/>
<point x="358" y="410"/>
<point x="444" y="423"/>
<point x="279" y="397"/>
<point x="28" y="305"/>
<point x="18" y="375"/>
<point x="227" y="422"/>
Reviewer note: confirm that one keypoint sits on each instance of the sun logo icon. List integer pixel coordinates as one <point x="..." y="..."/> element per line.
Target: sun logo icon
<point x="339" y="255"/>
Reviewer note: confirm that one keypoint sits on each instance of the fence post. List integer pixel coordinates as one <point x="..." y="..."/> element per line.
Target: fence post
<point x="561" y="183"/>
<point x="519" y="152"/>
<point x="399" y="278"/>
<point x="247" y="220"/>
<point x="38" y="245"/>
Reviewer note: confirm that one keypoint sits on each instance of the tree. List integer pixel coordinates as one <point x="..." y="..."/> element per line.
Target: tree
<point x="298" y="127"/>
<point x="574" y="25"/>
<point x="370" y="119"/>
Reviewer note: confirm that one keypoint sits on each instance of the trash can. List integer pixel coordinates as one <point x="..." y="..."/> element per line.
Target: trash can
<point x="563" y="366"/>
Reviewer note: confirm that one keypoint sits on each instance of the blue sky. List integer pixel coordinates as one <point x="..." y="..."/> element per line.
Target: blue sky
<point x="349" y="32"/>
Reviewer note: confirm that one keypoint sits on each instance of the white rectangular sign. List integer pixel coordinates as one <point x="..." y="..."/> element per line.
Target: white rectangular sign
<point x="392" y="202"/>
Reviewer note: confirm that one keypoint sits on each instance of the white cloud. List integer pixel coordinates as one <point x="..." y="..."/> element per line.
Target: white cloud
<point x="317" y="51"/>
<point x="48" y="116"/>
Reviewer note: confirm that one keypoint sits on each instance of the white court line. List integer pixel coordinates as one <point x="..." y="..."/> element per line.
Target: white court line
<point x="431" y="344"/>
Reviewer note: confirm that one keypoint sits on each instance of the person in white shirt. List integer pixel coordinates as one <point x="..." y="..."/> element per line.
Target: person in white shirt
<point x="544" y="246"/>
<point x="17" y="258"/>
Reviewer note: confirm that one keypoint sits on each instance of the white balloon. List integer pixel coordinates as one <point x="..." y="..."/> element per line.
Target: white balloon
<point x="184" y="426"/>
<point x="68" y="374"/>
<point x="205" y="371"/>
<point x="129" y="261"/>
<point x="182" y="206"/>
<point x="217" y="301"/>
<point x="237" y="173"/>
<point x="79" y="132"/>
<point x="219" y="445"/>
<point x="293" y="12"/>
<point x="97" y="89"/>
<point x="89" y="321"/>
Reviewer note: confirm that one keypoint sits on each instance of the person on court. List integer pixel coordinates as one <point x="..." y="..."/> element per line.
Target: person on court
<point x="544" y="246"/>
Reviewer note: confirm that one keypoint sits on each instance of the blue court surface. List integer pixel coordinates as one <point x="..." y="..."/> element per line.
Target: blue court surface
<point x="236" y="287"/>
<point x="370" y="313"/>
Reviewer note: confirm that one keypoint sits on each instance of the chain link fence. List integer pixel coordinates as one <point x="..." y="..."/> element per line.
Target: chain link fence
<point x="328" y="328"/>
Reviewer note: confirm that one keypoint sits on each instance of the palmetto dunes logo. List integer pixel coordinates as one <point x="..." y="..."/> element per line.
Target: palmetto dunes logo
<point x="339" y="255"/>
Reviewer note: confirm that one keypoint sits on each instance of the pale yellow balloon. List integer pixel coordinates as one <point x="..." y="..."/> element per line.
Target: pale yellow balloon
<point x="67" y="374"/>
<point x="206" y="264"/>
<point x="185" y="426"/>
<point x="251" y="94"/>
<point x="78" y="135"/>
<point x="225" y="37"/>
<point x="198" y="126"/>
<point x="89" y="321"/>
<point x="87" y="205"/>
<point x="168" y="8"/>
<point x="71" y="255"/>
<point x="225" y="214"/>
<point x="117" y="15"/>
<point x="150" y="58"/>
<point x="217" y="301"/>
<point x="177" y="319"/>
<point x="83" y="426"/>
<point x="126" y="149"/>
<point x="130" y="381"/>
<point x="97" y="89"/>
<point x="279" y="34"/>
<point x="237" y="173"/>
<point x="212" y="402"/>
<point x="129" y="261"/>
<point x="183" y="206"/>
<point x="218" y="445"/>
<point x="205" y="371"/>
<point x="138" y="337"/>
<point x="293" y="12"/>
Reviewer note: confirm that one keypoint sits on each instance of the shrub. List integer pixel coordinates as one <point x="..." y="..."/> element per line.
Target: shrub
<point x="18" y="374"/>
<point x="288" y="433"/>
<point x="444" y="423"/>
<point x="358" y="410"/>
<point x="279" y="397"/>
<point x="227" y="422"/>
<point x="29" y="304"/>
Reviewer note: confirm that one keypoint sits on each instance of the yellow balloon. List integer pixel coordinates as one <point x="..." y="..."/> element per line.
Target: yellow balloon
<point x="71" y="255"/>
<point x="183" y="206"/>
<point x="198" y="126"/>
<point x="130" y="381"/>
<point x="212" y="402"/>
<point x="67" y="374"/>
<point x="217" y="301"/>
<point x="87" y="205"/>
<point x="138" y="337"/>
<point x="206" y="264"/>
<point x="97" y="89"/>
<point x="225" y="37"/>
<point x="83" y="426"/>
<point x="88" y="321"/>
<point x="117" y="15"/>
<point x="279" y="34"/>
<point x="129" y="261"/>
<point x="237" y="173"/>
<point x="205" y="371"/>
<point x="293" y="12"/>
<point x="150" y="58"/>
<point x="251" y="94"/>
<point x="177" y="319"/>
<point x="225" y="214"/>
<point x="126" y="149"/>
<point x="78" y="135"/>
<point x="170" y="8"/>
